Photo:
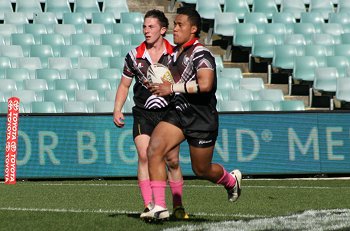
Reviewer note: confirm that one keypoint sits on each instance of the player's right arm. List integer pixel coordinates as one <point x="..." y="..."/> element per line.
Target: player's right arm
<point x="120" y="98"/>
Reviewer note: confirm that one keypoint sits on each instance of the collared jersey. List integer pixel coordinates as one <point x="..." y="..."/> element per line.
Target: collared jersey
<point x="203" y="115"/>
<point x="136" y="64"/>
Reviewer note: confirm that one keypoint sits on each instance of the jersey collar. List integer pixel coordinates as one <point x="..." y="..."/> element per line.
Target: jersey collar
<point x="140" y="50"/>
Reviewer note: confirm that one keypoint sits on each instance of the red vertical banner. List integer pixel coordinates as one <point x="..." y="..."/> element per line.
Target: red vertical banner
<point x="11" y="140"/>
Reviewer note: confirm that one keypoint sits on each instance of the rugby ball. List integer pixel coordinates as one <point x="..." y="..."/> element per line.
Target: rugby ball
<point x="157" y="73"/>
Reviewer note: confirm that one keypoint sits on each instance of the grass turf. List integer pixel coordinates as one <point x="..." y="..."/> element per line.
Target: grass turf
<point x="116" y="204"/>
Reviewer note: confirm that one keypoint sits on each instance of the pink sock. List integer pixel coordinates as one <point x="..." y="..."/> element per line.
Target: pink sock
<point x="146" y="191"/>
<point x="158" y="189"/>
<point x="227" y="180"/>
<point x="176" y="191"/>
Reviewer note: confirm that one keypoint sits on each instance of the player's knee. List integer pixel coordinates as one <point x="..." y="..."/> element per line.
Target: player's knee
<point x="173" y="164"/>
<point x="200" y="171"/>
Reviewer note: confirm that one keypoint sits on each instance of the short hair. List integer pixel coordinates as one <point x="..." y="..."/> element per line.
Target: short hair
<point x="164" y="22"/>
<point x="193" y="16"/>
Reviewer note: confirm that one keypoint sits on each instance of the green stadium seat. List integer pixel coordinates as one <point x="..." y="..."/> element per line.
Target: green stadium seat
<point x="104" y="106"/>
<point x="113" y="75"/>
<point x="43" y="52"/>
<point x="54" y="40"/>
<point x="342" y="63"/>
<point x="73" y="52"/>
<point x="75" y="107"/>
<point x="36" y="29"/>
<point x="46" y="18"/>
<point x="62" y="64"/>
<point x="87" y="7"/>
<point x="100" y="85"/>
<point x="89" y="97"/>
<point x="5" y="62"/>
<point x="50" y="75"/>
<point x="304" y="68"/>
<point x="77" y="19"/>
<point x="224" y="23"/>
<point x="84" y="40"/>
<point x="296" y="7"/>
<point x="16" y="18"/>
<point x="80" y="75"/>
<point x="268" y="7"/>
<point x="59" y="7"/>
<point x="240" y="7"/>
<point x="5" y="6"/>
<point x="106" y="18"/>
<point x="17" y="74"/>
<point x="58" y="97"/>
<point x="325" y="79"/>
<point x="7" y="86"/>
<point x="263" y="46"/>
<point x="286" y="18"/>
<point x="244" y="34"/>
<point x="25" y="40"/>
<point x="26" y="97"/>
<point x="230" y="106"/>
<point x="115" y="7"/>
<point x="66" y="30"/>
<point x="123" y="28"/>
<point x="43" y="107"/>
<point x="261" y="105"/>
<point x="323" y="6"/>
<point x="28" y="7"/>
<point x="135" y="18"/>
<point x="342" y="92"/>
<point x="6" y="30"/>
<point x="292" y="105"/>
<point x="96" y="30"/>
<point x="30" y="63"/>
<point x="69" y="85"/>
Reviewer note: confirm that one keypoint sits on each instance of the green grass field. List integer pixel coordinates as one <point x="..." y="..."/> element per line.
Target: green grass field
<point x="115" y="205"/>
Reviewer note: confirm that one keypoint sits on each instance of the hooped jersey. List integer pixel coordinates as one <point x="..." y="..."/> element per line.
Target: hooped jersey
<point x="136" y="64"/>
<point x="198" y="111"/>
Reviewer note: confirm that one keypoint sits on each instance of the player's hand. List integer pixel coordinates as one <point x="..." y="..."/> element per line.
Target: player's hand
<point x="160" y="89"/>
<point x="118" y="119"/>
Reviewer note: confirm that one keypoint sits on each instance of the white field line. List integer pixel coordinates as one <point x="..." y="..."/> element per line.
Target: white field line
<point x="311" y="220"/>
<point x="103" y="211"/>
<point x="185" y="186"/>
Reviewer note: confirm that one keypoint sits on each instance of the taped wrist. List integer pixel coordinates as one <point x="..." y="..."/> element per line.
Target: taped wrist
<point x="188" y="87"/>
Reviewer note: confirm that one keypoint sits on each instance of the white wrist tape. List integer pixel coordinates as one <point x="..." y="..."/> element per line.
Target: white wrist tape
<point x="188" y="87"/>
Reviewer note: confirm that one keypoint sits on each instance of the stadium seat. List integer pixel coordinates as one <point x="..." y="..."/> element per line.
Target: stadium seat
<point x="77" y="19"/>
<point x="339" y="17"/>
<point x="106" y="18"/>
<point x="66" y="30"/>
<point x="342" y="92"/>
<point x="306" y="29"/>
<point x="261" y="105"/>
<point x="334" y="29"/>
<point x="298" y="40"/>
<point x="12" y="51"/>
<point x="69" y="85"/>
<point x="128" y="105"/>
<point x="283" y="56"/>
<point x="17" y="74"/>
<point x="343" y="6"/>
<point x="91" y="63"/>
<point x="75" y="107"/>
<point x="304" y="68"/>
<point x="25" y="40"/>
<point x="263" y="46"/>
<point x="324" y="39"/>
<point x="28" y="7"/>
<point x="30" y="63"/>
<point x="208" y="9"/>
<point x="73" y="52"/>
<point x="296" y="7"/>
<point x="345" y="38"/>
<point x="319" y="51"/>
<point x="225" y="83"/>
<point x="100" y="85"/>
<point x="325" y="79"/>
<point x="323" y="6"/>
<point x="87" y="7"/>
<point x="43" y="52"/>
<point x="46" y="18"/>
<point x="279" y="30"/>
<point x="102" y="51"/>
<point x="244" y="34"/>
<point x="115" y="7"/>
<point x="224" y="23"/>
<point x="5" y="6"/>
<point x="291" y="105"/>
<point x="2" y="97"/>
<point x="6" y="30"/>
<point x="58" y="97"/>
<point x="62" y="64"/>
<point x="256" y="18"/>
<point x="235" y="74"/>
<point x="43" y="107"/>
<point x="16" y="18"/>
<point x="80" y="75"/>
<point x="112" y="39"/>
<point x="254" y="84"/>
<point x="36" y="29"/>
<point x="123" y="28"/>
<point x="230" y="106"/>
<point x="274" y="95"/>
<point x="287" y="18"/>
<point x="50" y="75"/>
<point x="89" y="97"/>
<point x="113" y="75"/>
<point x="84" y="40"/>
<point x="59" y="7"/>
<point x="37" y="85"/>
<point x="104" y="106"/>
<point x="240" y="7"/>
<point x="54" y="40"/>
<point x="96" y="30"/>
<point x="5" y="62"/>
<point x="342" y="63"/>
<point x="26" y="97"/>
<point x="312" y="17"/>
<point x="110" y="95"/>
<point x="7" y="86"/>
<point x="268" y="7"/>
<point x="342" y="50"/>
<point x="135" y="18"/>
<point x="117" y="62"/>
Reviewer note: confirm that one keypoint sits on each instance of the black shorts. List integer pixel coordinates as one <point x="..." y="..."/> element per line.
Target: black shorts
<point x="146" y="120"/>
<point x="197" y="138"/>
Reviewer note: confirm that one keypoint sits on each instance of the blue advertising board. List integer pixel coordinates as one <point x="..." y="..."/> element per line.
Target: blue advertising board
<point x="78" y="146"/>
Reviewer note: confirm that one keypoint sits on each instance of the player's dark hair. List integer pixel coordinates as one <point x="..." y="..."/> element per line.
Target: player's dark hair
<point x="164" y="22"/>
<point x="193" y="16"/>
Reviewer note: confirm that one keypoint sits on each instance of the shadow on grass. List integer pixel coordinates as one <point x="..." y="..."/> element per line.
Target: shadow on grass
<point x="192" y="218"/>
